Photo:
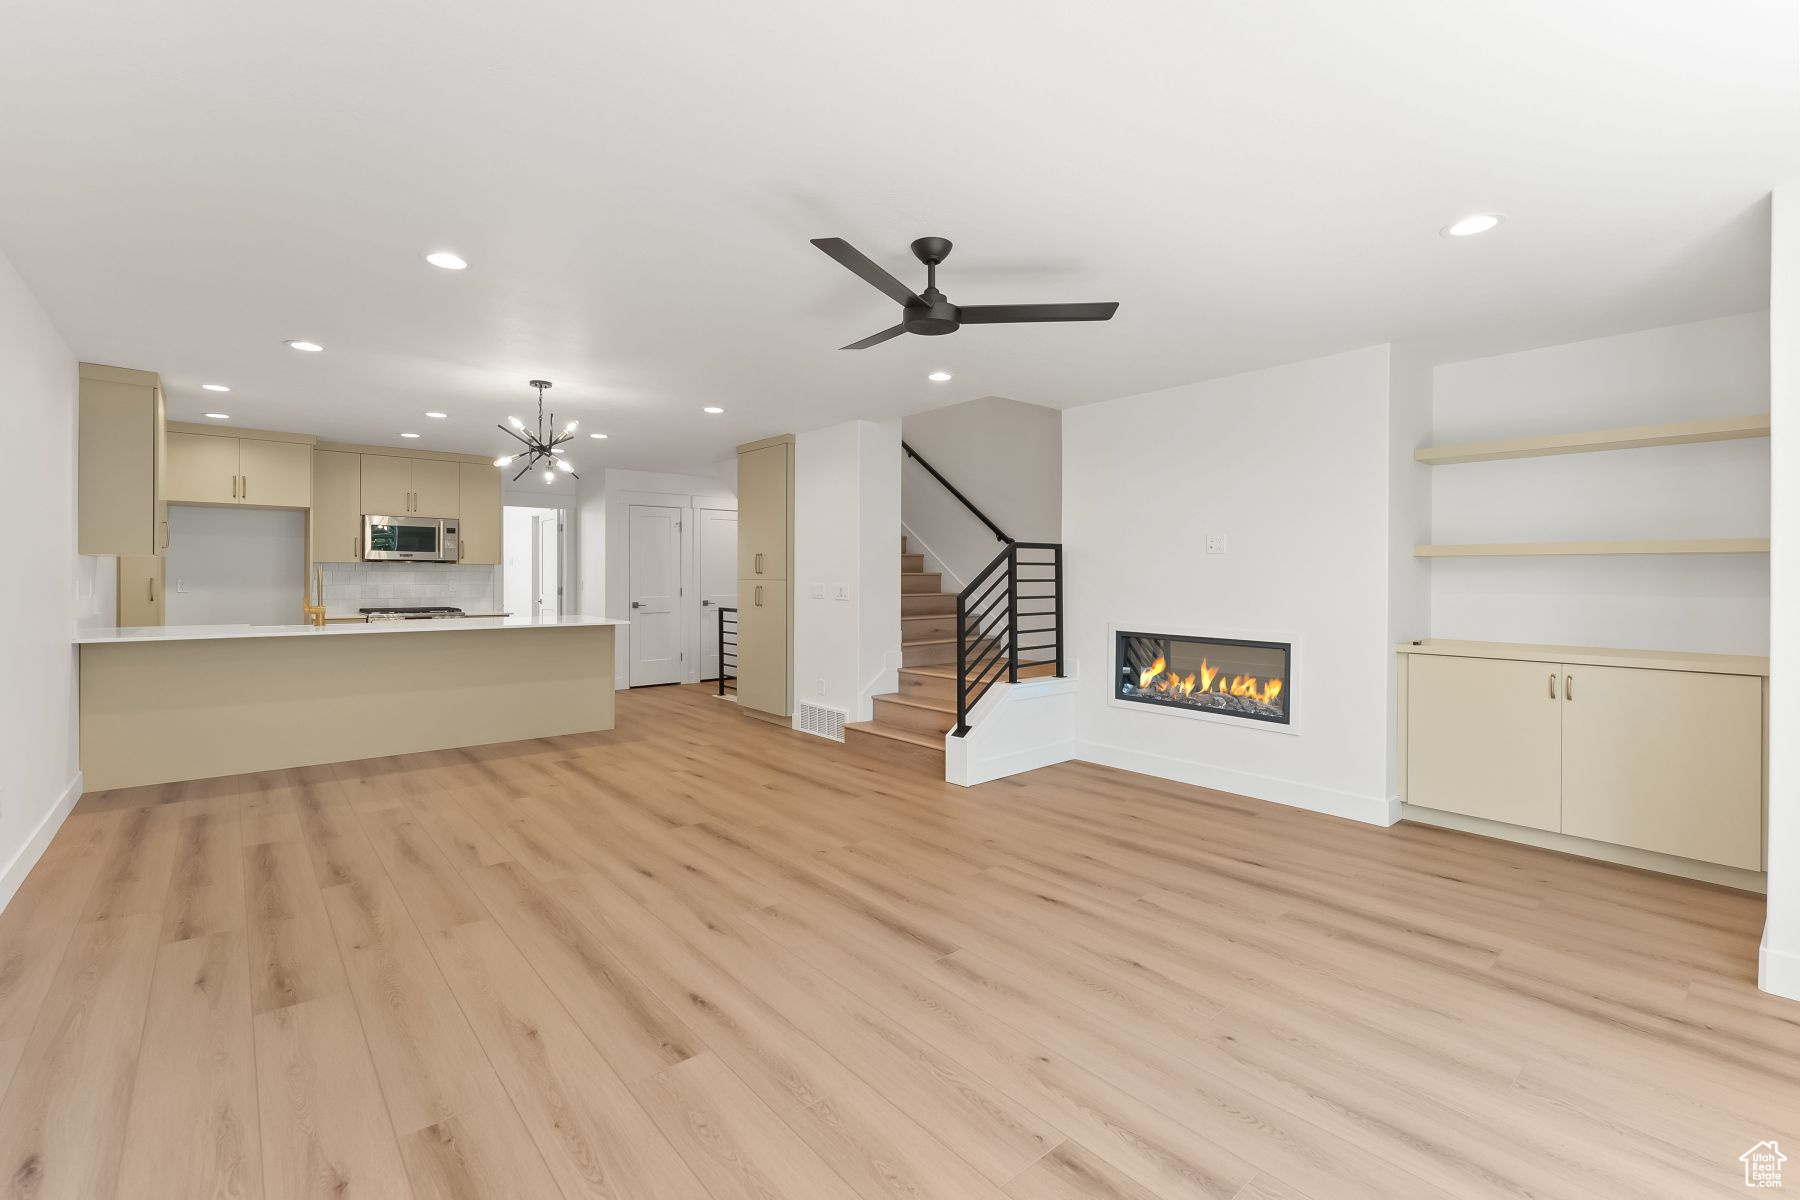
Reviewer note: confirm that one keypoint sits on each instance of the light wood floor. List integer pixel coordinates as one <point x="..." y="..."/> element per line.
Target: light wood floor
<point x="704" y="957"/>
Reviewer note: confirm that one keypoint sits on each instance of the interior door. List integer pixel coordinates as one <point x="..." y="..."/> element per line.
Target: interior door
<point x="655" y="591"/>
<point x="547" y="599"/>
<point x="718" y="532"/>
<point x="1669" y="761"/>
<point x="1484" y="738"/>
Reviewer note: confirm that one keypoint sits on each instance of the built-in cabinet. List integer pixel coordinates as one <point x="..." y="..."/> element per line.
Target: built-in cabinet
<point x="141" y="590"/>
<point x="1655" y="752"/>
<point x="263" y="472"/>
<point x="393" y="485"/>
<point x="121" y="456"/>
<point x="337" y="506"/>
<point x="765" y="681"/>
<point x="478" y="507"/>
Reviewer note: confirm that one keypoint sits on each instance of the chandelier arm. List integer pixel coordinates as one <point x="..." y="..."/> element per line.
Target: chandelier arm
<point x="515" y="433"/>
<point x="521" y="473"/>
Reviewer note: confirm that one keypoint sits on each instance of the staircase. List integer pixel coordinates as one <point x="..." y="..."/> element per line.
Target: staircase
<point x="924" y="709"/>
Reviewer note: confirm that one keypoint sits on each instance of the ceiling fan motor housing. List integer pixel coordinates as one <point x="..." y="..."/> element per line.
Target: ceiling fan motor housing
<point x="937" y="315"/>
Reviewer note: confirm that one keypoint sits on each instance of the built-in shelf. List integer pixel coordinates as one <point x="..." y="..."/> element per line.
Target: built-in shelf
<point x="1537" y="549"/>
<point x="1720" y="429"/>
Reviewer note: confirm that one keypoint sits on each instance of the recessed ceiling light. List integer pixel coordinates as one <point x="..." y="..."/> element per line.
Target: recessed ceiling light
<point x="1471" y="225"/>
<point x="712" y="408"/>
<point x="218" y="416"/>
<point x="939" y="377"/>
<point x="437" y="416"/>
<point x="309" y="347"/>
<point x="601" y="436"/>
<point x="409" y="435"/>
<point x="215" y="387"/>
<point x="446" y="260"/>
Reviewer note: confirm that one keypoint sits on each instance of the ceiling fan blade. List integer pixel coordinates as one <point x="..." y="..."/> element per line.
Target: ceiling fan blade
<point x="864" y="266"/>
<point x="876" y="338"/>
<point x="1006" y="314"/>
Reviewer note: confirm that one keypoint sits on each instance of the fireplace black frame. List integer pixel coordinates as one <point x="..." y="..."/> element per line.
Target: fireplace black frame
<point x="1121" y="670"/>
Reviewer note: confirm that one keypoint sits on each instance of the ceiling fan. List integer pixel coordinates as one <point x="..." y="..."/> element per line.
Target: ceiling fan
<point x="930" y="313"/>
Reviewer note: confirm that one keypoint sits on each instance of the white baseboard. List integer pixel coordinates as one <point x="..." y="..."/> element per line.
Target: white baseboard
<point x="13" y="876"/>
<point x="1016" y="763"/>
<point x="1777" y="971"/>
<point x="1372" y="810"/>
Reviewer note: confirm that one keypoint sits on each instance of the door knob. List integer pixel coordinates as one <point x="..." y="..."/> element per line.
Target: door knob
<point x="635" y="604"/>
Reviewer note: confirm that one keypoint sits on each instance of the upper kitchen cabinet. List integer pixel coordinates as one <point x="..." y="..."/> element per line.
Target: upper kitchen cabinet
<point x="393" y="485"/>
<point x="263" y="470"/>
<point x="120" y="464"/>
<point x="480" y="513"/>
<point x="337" y="506"/>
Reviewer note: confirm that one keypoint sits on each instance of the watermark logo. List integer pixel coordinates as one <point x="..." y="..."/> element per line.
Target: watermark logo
<point x="1762" y="1165"/>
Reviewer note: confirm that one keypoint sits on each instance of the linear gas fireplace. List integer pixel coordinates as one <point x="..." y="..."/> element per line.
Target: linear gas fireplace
<point x="1218" y="677"/>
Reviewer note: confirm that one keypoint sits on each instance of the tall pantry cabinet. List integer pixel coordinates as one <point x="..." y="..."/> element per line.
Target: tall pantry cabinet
<point x="765" y="683"/>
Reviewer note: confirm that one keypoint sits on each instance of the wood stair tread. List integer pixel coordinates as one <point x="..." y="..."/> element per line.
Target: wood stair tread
<point x="898" y="735"/>
<point x="948" y="670"/>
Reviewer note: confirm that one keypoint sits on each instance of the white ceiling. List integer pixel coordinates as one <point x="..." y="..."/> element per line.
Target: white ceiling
<point x="185" y="185"/>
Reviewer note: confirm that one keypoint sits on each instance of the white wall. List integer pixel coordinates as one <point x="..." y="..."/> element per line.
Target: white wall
<point x="234" y="566"/>
<point x="1004" y="456"/>
<point x="1717" y="368"/>
<point x="49" y="586"/>
<point x="1292" y="464"/>
<point x="1780" y="959"/>
<point x="847" y="532"/>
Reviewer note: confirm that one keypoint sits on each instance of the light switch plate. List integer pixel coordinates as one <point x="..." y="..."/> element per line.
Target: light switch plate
<point x="1215" y="543"/>
<point x="818" y="591"/>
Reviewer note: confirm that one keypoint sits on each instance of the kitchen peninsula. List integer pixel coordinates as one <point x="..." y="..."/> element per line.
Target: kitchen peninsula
<point x="170" y="703"/>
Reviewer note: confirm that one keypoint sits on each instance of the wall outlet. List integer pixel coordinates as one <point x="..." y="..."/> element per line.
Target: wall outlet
<point x="821" y="687"/>
<point x="818" y="591"/>
<point x="1215" y="543"/>
<point x="842" y="592"/>
<point x="181" y="585"/>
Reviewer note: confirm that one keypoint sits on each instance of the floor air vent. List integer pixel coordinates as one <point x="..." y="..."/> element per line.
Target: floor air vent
<point x="825" y="722"/>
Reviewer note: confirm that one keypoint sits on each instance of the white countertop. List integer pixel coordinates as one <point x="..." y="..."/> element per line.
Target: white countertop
<point x="201" y="633"/>
<point x="1593" y="656"/>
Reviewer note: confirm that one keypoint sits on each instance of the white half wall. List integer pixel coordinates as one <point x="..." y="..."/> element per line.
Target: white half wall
<point x="1004" y="456"/>
<point x="50" y="587"/>
<point x="1717" y="368"/>
<point x="1292" y="466"/>
<point x="1780" y="959"/>
<point x="847" y="539"/>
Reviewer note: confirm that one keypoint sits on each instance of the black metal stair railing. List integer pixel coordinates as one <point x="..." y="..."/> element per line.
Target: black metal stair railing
<point x="1011" y="610"/>
<point x="727" y="647"/>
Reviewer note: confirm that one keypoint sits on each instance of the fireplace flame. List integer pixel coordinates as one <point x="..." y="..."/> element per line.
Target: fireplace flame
<point x="1208" y="679"/>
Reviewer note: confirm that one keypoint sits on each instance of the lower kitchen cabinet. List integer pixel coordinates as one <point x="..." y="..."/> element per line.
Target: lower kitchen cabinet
<point x="1635" y="752"/>
<point x="763" y="681"/>
<point x="1669" y="761"/>
<point x="140" y="590"/>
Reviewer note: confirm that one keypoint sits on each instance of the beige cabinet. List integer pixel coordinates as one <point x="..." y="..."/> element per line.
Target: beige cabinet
<point x="141" y="590"/>
<point x="763" y="681"/>
<point x="1640" y="756"/>
<point x="1669" y="761"/>
<point x="765" y="592"/>
<point x="765" y="510"/>
<point x="386" y="484"/>
<point x="397" y="486"/>
<point x="1484" y="739"/>
<point x="337" y="506"/>
<point x="119" y="463"/>
<point x="479" y="510"/>
<point x="221" y="469"/>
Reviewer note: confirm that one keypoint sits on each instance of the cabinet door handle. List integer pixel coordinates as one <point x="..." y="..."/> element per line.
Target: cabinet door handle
<point x="1553" y="685"/>
<point x="355" y="548"/>
<point x="759" y="566"/>
<point x="759" y="595"/>
<point x="165" y="526"/>
<point x="151" y="589"/>
<point x="234" y="480"/>
<point x="1568" y="687"/>
<point x="246" y="480"/>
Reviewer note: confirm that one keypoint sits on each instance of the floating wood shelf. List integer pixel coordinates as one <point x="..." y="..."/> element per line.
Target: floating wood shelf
<point x="1720" y="429"/>
<point x="1537" y="549"/>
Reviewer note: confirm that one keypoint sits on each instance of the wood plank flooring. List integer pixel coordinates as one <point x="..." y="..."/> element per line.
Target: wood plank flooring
<point x="700" y="956"/>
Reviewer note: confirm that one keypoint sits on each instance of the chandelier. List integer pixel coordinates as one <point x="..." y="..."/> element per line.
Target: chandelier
<point x="539" y="449"/>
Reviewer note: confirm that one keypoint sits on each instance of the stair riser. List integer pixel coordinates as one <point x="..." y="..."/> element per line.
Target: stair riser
<point x="929" y="687"/>
<point x="917" y="656"/>
<point x="913" y="585"/>
<point x="932" y="625"/>
<point x="912" y="562"/>
<point x="864" y="738"/>
<point x="924" y="604"/>
<point x="919" y="720"/>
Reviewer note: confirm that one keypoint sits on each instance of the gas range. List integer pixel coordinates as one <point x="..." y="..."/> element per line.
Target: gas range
<point x="426" y="613"/>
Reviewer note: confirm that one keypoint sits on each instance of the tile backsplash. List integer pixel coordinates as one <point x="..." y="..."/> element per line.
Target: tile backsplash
<point x="350" y="586"/>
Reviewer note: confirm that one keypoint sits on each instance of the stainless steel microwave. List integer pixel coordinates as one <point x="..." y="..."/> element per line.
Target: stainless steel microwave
<point x="410" y="539"/>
